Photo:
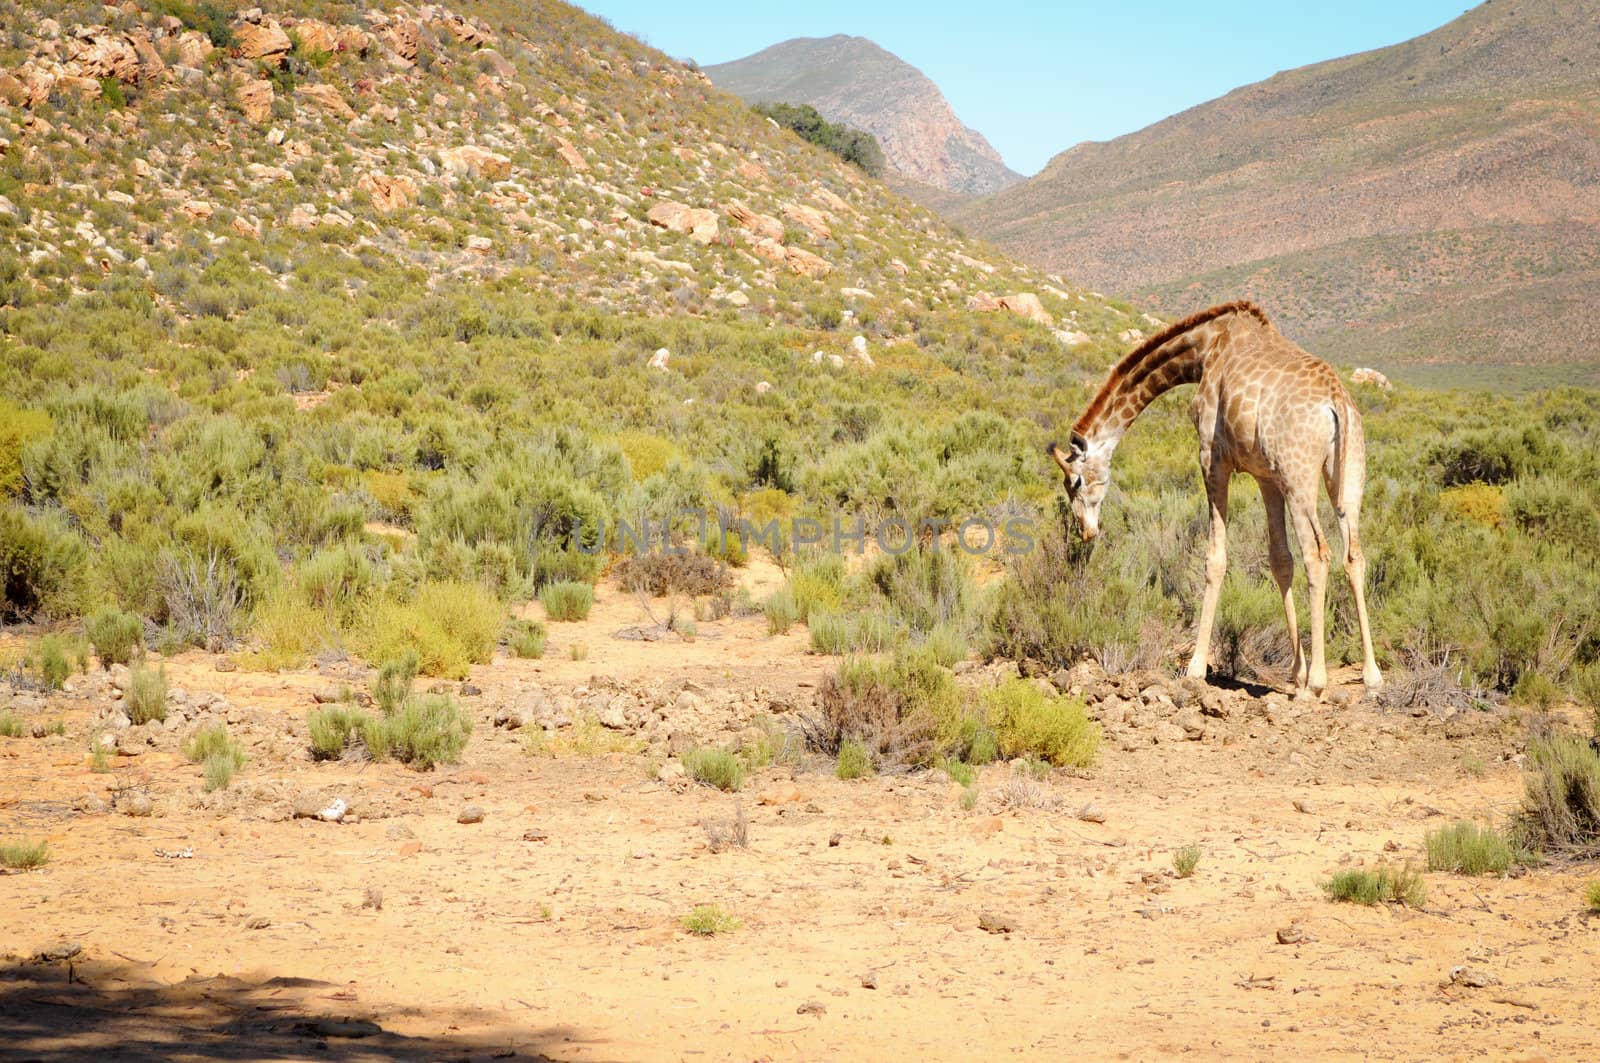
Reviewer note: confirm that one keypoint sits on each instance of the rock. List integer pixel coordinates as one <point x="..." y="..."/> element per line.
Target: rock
<point x="61" y="950"/>
<point x="1301" y="805"/>
<point x="1473" y="977"/>
<point x="1090" y="813"/>
<point x="1291" y="935"/>
<point x="12" y="91"/>
<point x="388" y="193"/>
<point x="193" y="47"/>
<point x="1131" y="335"/>
<point x="373" y="898"/>
<point x="612" y="714"/>
<point x="812" y="1007"/>
<point x="534" y="834"/>
<point x="1371" y="376"/>
<point x="809" y="219"/>
<point x="762" y="387"/>
<point x="1193" y="724"/>
<point x="470" y="159"/>
<point x="1071" y="337"/>
<point x="263" y="40"/>
<point x="763" y="225"/>
<point x="995" y="924"/>
<point x="470" y="814"/>
<point x="468" y="690"/>
<point x="396" y="832"/>
<point x="135" y="803"/>
<point x="781" y="795"/>
<point x="257" y="922"/>
<point x="508" y="717"/>
<point x="325" y="695"/>
<point x="570" y="155"/>
<point x="326" y="98"/>
<point x="310" y="805"/>
<point x="90" y="804"/>
<point x="700" y="224"/>
<point x="869" y="980"/>
<point x="198" y="210"/>
<point x="100" y="55"/>
<point x="1026" y="304"/>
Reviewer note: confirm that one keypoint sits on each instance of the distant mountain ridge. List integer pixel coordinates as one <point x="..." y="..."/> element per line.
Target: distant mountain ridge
<point x="854" y="81"/>
<point x="1437" y="200"/>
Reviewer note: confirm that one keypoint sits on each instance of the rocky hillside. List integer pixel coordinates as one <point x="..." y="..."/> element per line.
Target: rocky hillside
<point x="477" y="140"/>
<point x="852" y="80"/>
<point x="1431" y="201"/>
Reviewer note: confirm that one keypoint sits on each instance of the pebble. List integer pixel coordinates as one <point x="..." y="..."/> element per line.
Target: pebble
<point x="995" y="924"/>
<point x="470" y="814"/>
<point x="1291" y="935"/>
<point x="135" y="804"/>
<point x="61" y="950"/>
<point x="1473" y="977"/>
<point x="1090" y="813"/>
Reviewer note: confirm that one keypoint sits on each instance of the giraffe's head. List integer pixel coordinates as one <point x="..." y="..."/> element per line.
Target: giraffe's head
<point x="1086" y="472"/>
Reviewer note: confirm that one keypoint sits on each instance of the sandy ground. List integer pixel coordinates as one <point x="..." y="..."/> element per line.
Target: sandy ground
<point x="552" y="928"/>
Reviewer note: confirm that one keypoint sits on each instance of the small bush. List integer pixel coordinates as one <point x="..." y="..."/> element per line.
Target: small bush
<point x="1469" y="849"/>
<point x="11" y="725"/>
<point x="146" y="695"/>
<point x="219" y="754"/>
<point x="43" y="563"/>
<point x="1185" y="860"/>
<point x="708" y="920"/>
<point x="962" y="774"/>
<point x="286" y="631"/>
<point x="567" y="600"/>
<point x="1591" y="896"/>
<point x="392" y="686"/>
<point x="1026" y="720"/>
<point x="1561" y="797"/>
<point x="854" y="760"/>
<point x="830" y="634"/>
<point x="781" y="611"/>
<point x="714" y="767"/>
<point x="578" y="651"/>
<point x="661" y="574"/>
<point x="526" y="639"/>
<point x="52" y="661"/>
<point x="20" y="856"/>
<point x="586" y="738"/>
<point x="1383" y="884"/>
<point x="427" y="731"/>
<point x="115" y="635"/>
<point x="336" y="729"/>
<point x="449" y="626"/>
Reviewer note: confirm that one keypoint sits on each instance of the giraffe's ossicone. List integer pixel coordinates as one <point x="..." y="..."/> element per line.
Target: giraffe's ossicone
<point x="1265" y="407"/>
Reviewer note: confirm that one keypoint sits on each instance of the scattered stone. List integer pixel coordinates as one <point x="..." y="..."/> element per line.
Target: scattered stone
<point x="534" y="834"/>
<point x="411" y="848"/>
<point x="1291" y="935"/>
<point x="373" y="899"/>
<point x="470" y="691"/>
<point x="869" y="980"/>
<point x="352" y="1029"/>
<point x="995" y="924"/>
<point x="325" y="695"/>
<point x="310" y="805"/>
<point x="812" y="1007"/>
<point x="90" y="804"/>
<point x="61" y="950"/>
<point x="258" y="922"/>
<point x="1090" y="813"/>
<point x="396" y="832"/>
<point x="1473" y="977"/>
<point x="834" y="840"/>
<point x="470" y="814"/>
<point x="1302" y="805"/>
<point x="135" y="803"/>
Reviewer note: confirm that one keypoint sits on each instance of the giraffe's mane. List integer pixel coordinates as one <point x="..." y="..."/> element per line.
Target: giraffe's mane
<point x="1134" y="359"/>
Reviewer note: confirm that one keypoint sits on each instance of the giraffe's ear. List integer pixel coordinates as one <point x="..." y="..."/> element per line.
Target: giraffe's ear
<point x="1061" y="458"/>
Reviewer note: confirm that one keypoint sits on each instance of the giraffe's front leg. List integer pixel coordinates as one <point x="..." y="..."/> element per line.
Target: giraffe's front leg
<point x="1216" y="568"/>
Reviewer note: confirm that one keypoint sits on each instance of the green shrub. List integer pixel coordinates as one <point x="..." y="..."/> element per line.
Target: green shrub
<point x="146" y="695"/>
<point x="960" y="773"/>
<point x="427" y="731"/>
<point x="11" y="725"/>
<point x="1561" y="797"/>
<point x="1026" y="720"/>
<point x="708" y="920"/>
<point x="1469" y="849"/>
<point x="526" y="639"/>
<point x="449" y="626"/>
<point x="1372" y="886"/>
<point x="43" y="565"/>
<point x="219" y="753"/>
<point x="830" y="634"/>
<point x="714" y="767"/>
<point x="392" y="686"/>
<point x="337" y="728"/>
<point x="781" y="611"/>
<point x="23" y="855"/>
<point x="663" y="573"/>
<point x="115" y="635"/>
<point x="854" y="760"/>
<point x="1591" y="896"/>
<point x="52" y="660"/>
<point x="567" y="600"/>
<point x="18" y="428"/>
<point x="1185" y="860"/>
<point x="851" y="145"/>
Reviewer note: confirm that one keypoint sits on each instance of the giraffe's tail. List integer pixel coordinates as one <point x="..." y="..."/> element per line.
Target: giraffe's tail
<point x="1349" y="473"/>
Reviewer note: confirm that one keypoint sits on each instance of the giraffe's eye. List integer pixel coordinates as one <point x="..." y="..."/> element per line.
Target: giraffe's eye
<point x="1075" y="484"/>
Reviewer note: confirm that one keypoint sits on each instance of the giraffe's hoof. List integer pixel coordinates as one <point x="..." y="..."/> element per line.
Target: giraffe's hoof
<point x="1373" y="681"/>
<point x="1196" y="670"/>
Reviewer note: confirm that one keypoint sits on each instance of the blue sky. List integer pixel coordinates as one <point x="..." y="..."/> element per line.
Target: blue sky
<point x="1037" y="78"/>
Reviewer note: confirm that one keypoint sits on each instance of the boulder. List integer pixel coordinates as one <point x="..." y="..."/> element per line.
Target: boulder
<point x="255" y="100"/>
<point x="700" y="224"/>
<point x="404" y="38"/>
<point x="98" y="53"/>
<point x="264" y="40"/>
<point x="1026" y="304"/>
<point x="388" y="193"/>
<point x="808" y="218"/>
<point x="325" y="98"/>
<point x="471" y="159"/>
<point x="763" y="225"/>
<point x="569" y="154"/>
<point x="193" y="47"/>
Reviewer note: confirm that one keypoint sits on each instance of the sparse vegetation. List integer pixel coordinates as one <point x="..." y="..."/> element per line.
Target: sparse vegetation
<point x="1561" y="797"/>
<point x="1383" y="884"/>
<point x="22" y="856"/>
<point x="854" y="760"/>
<point x="526" y="639"/>
<point x="218" y="753"/>
<point x="851" y="145"/>
<point x="146" y="695"/>
<point x="718" y="768"/>
<point x="427" y="731"/>
<point x="567" y="600"/>
<point x="709" y="920"/>
<point x="1055" y="727"/>
<point x="11" y="725"/>
<point x="1591" y="896"/>
<point x="1185" y="860"/>
<point x="115" y="635"/>
<point x="1470" y="849"/>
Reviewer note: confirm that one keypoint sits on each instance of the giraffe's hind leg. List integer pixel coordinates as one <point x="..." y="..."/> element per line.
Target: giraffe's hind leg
<point x="1283" y="573"/>
<point x="1216" y="475"/>
<point x="1346" y="496"/>
<point x="1302" y="505"/>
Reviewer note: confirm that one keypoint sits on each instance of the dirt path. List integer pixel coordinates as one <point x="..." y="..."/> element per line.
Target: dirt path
<point x="553" y="928"/>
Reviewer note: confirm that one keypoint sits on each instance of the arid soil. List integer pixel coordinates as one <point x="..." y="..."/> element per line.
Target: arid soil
<point x="878" y="917"/>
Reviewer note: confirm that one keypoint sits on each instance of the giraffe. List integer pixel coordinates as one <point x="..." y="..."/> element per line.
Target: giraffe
<point x="1265" y="407"/>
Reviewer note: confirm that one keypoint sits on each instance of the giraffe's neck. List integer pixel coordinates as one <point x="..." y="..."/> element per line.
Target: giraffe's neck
<point x="1140" y="379"/>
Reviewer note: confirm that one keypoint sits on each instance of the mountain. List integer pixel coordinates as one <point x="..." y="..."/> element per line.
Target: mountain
<point x="1434" y="201"/>
<point x="852" y="80"/>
